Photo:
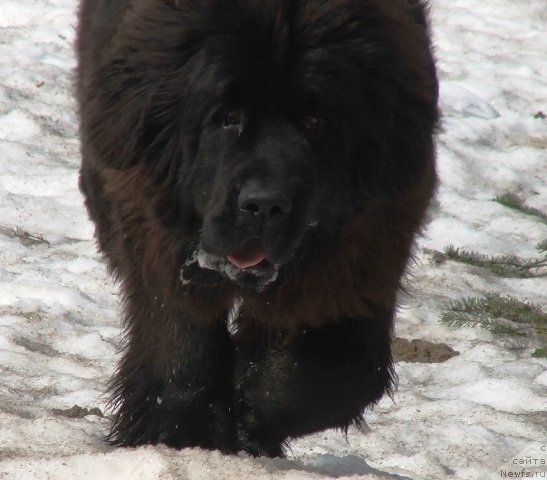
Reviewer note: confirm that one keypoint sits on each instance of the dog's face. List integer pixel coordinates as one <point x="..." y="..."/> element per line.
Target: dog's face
<point x="265" y="180"/>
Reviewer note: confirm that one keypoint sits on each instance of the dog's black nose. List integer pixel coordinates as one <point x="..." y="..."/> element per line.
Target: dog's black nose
<point x="263" y="202"/>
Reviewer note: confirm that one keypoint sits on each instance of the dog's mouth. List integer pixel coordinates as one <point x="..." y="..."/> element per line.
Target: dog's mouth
<point x="248" y="266"/>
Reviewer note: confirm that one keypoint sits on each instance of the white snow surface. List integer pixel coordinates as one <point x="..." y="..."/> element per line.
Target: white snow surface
<point x="473" y="417"/>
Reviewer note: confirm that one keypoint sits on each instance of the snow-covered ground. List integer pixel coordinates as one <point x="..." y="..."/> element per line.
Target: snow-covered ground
<point x="479" y="415"/>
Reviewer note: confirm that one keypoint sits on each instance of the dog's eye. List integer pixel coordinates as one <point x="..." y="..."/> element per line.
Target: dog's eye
<point x="312" y="123"/>
<point x="232" y="118"/>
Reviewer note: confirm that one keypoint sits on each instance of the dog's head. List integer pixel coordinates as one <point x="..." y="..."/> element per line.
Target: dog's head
<point x="272" y="122"/>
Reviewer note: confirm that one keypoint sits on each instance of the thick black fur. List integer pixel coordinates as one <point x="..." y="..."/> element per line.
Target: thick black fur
<point x="296" y="131"/>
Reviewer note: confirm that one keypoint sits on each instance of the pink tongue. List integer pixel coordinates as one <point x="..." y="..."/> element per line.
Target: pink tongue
<point x="248" y="255"/>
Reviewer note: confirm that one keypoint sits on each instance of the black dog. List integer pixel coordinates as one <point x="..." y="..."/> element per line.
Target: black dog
<point x="276" y="155"/>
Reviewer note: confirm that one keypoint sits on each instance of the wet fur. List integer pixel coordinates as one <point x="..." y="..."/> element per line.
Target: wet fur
<point x="312" y="351"/>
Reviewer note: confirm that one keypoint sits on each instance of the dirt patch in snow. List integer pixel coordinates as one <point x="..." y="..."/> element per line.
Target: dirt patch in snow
<point x="422" y="351"/>
<point x="77" y="412"/>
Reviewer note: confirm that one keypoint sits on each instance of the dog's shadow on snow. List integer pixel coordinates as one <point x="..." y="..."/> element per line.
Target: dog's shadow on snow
<point x="330" y="466"/>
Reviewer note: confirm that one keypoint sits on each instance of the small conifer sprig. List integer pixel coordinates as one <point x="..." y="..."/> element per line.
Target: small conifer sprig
<point x="503" y="265"/>
<point x="503" y="315"/>
<point x="512" y="200"/>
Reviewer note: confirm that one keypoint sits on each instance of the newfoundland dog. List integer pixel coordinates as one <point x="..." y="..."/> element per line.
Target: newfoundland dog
<point x="256" y="171"/>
